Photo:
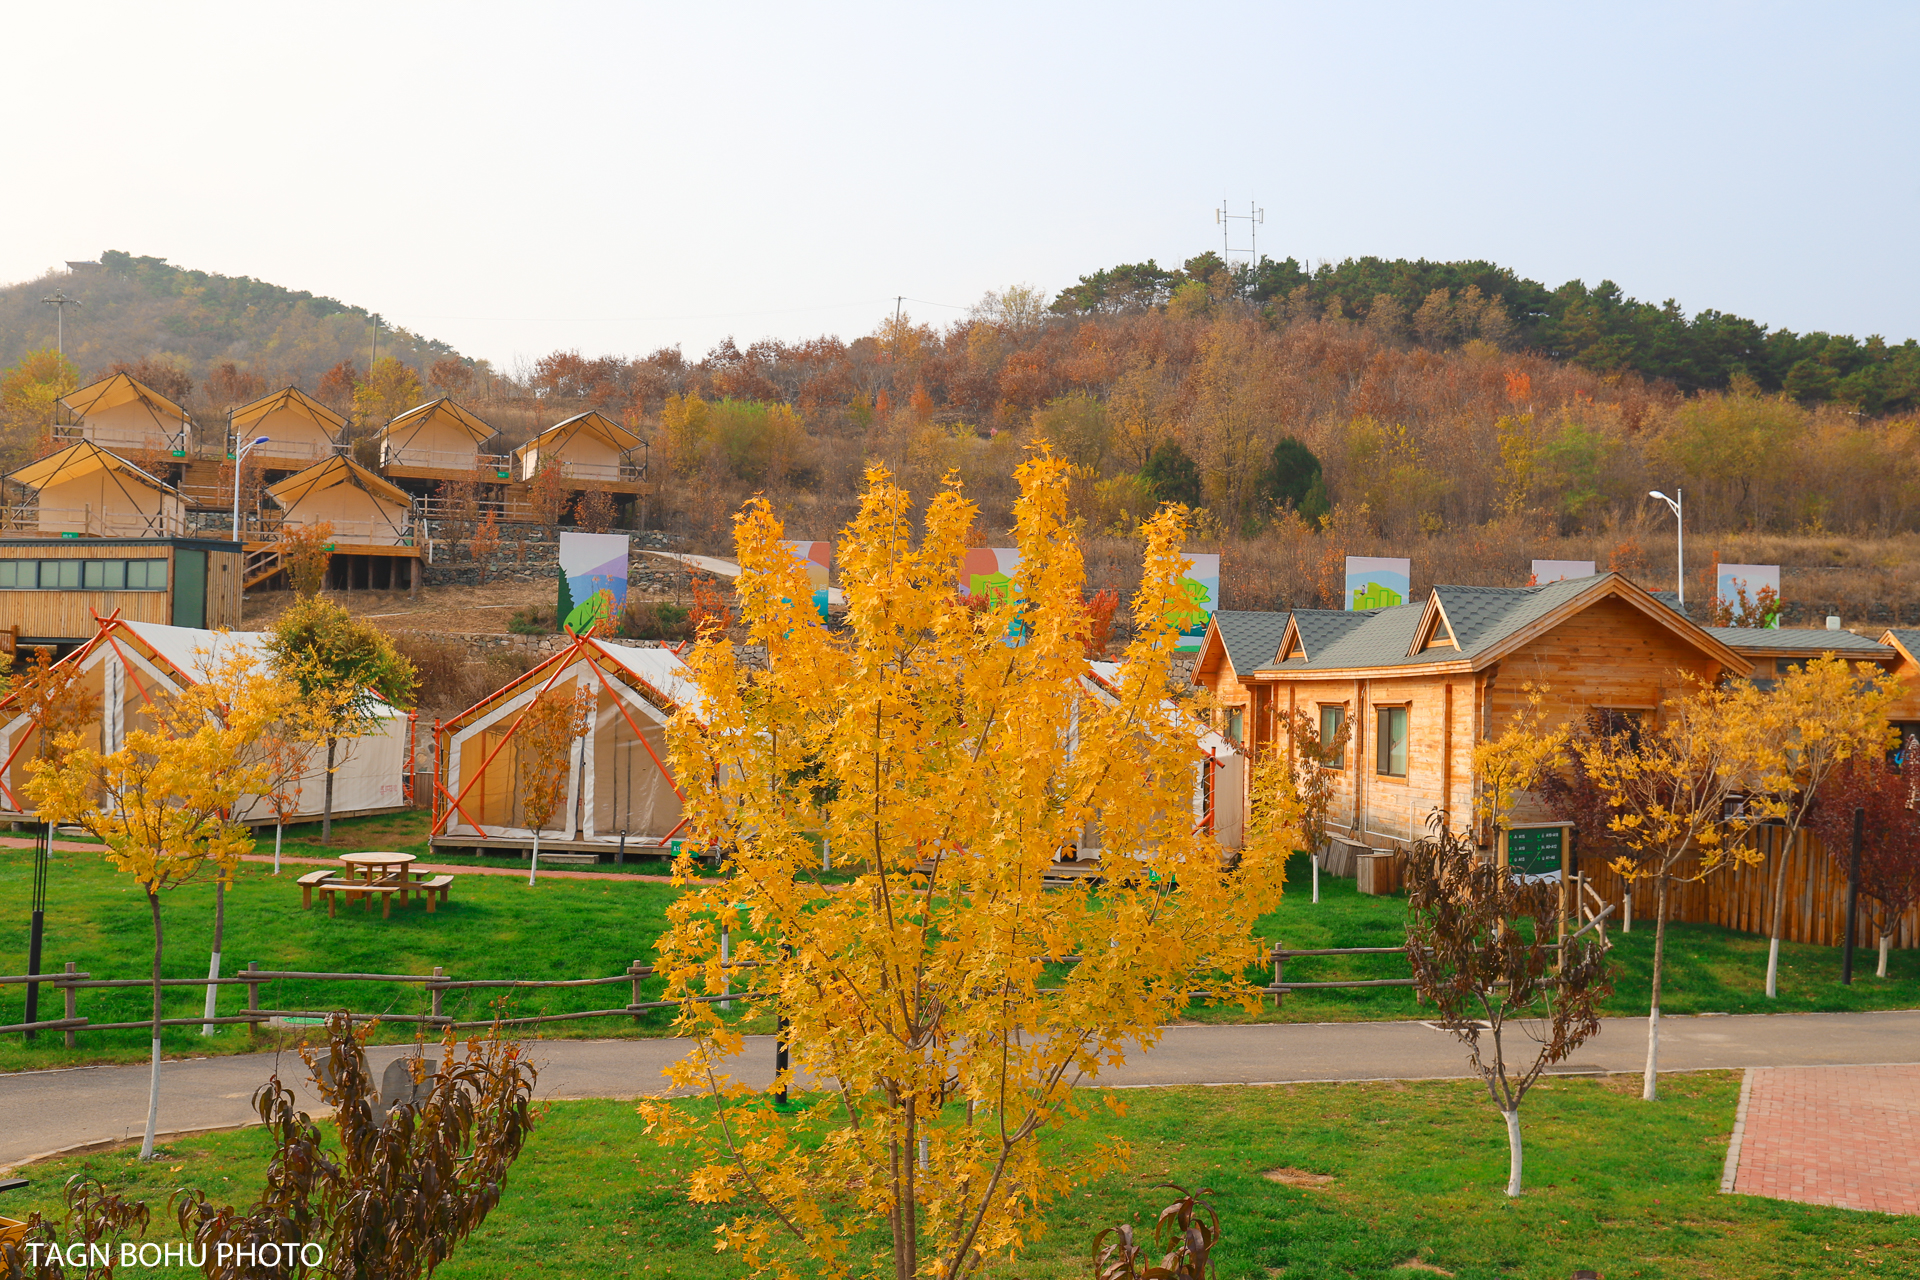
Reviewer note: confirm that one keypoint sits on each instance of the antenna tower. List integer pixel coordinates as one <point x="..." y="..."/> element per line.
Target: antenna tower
<point x="1254" y="217"/>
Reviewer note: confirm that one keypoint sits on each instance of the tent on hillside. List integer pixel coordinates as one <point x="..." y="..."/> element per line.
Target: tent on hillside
<point x="620" y="788"/>
<point x="84" y="489"/>
<point x="126" y="665"/>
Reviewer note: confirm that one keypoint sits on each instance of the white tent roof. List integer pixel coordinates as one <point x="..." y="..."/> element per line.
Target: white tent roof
<point x="660" y="668"/>
<point x="192" y="651"/>
<point x="1109" y="675"/>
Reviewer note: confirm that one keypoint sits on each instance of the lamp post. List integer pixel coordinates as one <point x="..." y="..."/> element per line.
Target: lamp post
<point x="1676" y="505"/>
<point x="239" y="456"/>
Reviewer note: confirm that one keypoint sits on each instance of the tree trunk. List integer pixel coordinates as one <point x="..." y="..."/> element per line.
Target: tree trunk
<point x="1779" y="920"/>
<point x="278" y="827"/>
<point x="213" y="965"/>
<point x="153" y="1085"/>
<point x="1886" y="941"/>
<point x="1650" y="1089"/>
<point x="533" y="868"/>
<point x="1513" y="1151"/>
<point x="326" y="811"/>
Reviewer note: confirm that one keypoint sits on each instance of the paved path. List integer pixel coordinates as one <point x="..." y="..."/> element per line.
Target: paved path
<point x="1828" y="1135"/>
<point x="52" y="1110"/>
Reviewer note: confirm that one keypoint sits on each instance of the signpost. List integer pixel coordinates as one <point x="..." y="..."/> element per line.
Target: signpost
<point x="1541" y="849"/>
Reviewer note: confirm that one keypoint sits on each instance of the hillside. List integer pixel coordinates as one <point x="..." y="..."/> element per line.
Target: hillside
<point x="134" y="309"/>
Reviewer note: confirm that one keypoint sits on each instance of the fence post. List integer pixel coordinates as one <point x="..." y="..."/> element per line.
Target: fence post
<point x="253" y="1000"/>
<point x="635" y="971"/>
<point x="437" y="989"/>
<point x="1279" y="967"/>
<point x="67" y="990"/>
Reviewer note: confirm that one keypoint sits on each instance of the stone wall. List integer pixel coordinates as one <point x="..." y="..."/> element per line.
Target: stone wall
<point x="529" y="553"/>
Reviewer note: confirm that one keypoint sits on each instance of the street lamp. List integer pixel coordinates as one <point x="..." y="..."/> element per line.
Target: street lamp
<point x="239" y="456"/>
<point x="1675" y="505"/>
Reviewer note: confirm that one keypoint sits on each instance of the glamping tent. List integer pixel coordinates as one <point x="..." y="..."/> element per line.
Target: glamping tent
<point x="363" y="509"/>
<point x="126" y="665"/>
<point x="620" y="789"/>
<point x="84" y="489"/>
<point x="299" y="429"/>
<point x="437" y="441"/>
<point x="590" y="446"/>
<point x="1220" y="768"/>
<point x="124" y="413"/>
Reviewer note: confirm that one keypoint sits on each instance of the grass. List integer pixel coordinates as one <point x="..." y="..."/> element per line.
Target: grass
<point x="1415" y="1173"/>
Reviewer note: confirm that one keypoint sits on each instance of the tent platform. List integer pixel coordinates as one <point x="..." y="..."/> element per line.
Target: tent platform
<point x="522" y="846"/>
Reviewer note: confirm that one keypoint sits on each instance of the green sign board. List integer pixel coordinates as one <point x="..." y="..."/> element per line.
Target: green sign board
<point x="1534" y="851"/>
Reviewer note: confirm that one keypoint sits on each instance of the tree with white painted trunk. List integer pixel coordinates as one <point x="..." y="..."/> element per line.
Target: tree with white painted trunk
<point x="1824" y="713"/>
<point x="1481" y="945"/>
<point x="1890" y="844"/>
<point x="163" y="803"/>
<point x="1678" y="790"/>
<point x="543" y="743"/>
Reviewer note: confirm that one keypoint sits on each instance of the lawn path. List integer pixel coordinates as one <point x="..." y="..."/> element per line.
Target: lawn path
<point x="47" y="1111"/>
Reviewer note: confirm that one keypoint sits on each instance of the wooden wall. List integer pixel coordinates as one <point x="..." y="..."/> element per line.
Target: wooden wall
<point x="70" y="614"/>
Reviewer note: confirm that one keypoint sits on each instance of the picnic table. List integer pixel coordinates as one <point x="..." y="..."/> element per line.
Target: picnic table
<point x="373" y="872"/>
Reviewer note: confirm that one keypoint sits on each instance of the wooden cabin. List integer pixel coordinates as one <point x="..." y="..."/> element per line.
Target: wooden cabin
<point x="300" y="431"/>
<point x="55" y="590"/>
<point x="1422" y="684"/>
<point x="376" y="541"/>
<point x="589" y="447"/>
<point x="125" y="414"/>
<point x="439" y="441"/>
<point x="87" y="491"/>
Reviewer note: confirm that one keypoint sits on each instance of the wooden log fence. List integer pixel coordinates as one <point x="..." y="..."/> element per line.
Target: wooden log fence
<point x="70" y="982"/>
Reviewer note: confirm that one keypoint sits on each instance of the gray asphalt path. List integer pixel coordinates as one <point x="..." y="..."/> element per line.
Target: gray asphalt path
<point x="47" y="1111"/>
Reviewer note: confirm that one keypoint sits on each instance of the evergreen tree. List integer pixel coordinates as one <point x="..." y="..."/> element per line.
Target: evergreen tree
<point x="1294" y="479"/>
<point x="1172" y="474"/>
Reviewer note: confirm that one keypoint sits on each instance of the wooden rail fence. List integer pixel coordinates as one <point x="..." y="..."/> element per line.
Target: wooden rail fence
<point x="70" y="983"/>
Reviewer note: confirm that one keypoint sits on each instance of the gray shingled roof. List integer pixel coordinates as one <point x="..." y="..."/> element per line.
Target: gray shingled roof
<point x="1252" y="639"/>
<point x="1908" y="638"/>
<point x="1482" y="618"/>
<point x="1801" y="639"/>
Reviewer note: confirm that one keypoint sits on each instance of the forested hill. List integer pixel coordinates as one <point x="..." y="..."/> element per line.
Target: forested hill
<point x="135" y="309"/>
<point x="1440" y="303"/>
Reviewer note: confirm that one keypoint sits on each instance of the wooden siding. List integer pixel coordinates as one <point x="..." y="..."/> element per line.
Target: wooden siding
<point x="69" y="615"/>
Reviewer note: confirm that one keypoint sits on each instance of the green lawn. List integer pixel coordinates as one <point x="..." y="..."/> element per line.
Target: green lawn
<point x="1627" y="1188"/>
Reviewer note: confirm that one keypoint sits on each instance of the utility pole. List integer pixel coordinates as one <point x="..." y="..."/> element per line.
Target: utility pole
<point x="60" y="302"/>
<point x="376" y="346"/>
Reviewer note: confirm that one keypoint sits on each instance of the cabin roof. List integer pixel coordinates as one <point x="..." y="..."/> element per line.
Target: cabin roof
<point x="1768" y="642"/>
<point x="1904" y="639"/>
<point x="592" y="422"/>
<point x="327" y="474"/>
<point x="83" y="458"/>
<point x="1250" y="638"/>
<point x="121" y="388"/>
<point x="293" y="399"/>
<point x="444" y="407"/>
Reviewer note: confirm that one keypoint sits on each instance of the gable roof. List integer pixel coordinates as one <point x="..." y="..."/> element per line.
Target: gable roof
<point x="336" y="470"/>
<point x="81" y="459"/>
<point x="592" y="422"/>
<point x="1249" y="638"/>
<point x="1485" y="622"/>
<point x="112" y="392"/>
<point x="294" y="400"/>
<point x="1905" y="640"/>
<point x="445" y="408"/>
<point x="1768" y="642"/>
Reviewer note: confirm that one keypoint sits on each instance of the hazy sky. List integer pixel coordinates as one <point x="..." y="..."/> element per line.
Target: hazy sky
<point x="619" y="177"/>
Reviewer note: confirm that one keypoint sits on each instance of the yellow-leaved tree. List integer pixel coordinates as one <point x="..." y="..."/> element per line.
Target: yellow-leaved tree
<point x="163" y="801"/>
<point x="1516" y="759"/>
<point x="1667" y="790"/>
<point x="943" y="1007"/>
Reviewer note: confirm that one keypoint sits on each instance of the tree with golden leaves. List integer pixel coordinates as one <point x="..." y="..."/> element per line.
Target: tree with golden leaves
<point x="1668" y="789"/>
<point x="944" y="1007"/>
<point x="1517" y="758"/>
<point x="1823" y="714"/>
<point x="543" y="741"/>
<point x="163" y="802"/>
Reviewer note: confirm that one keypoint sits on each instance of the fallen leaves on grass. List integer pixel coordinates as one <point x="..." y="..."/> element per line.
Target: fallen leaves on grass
<point x="1287" y="1175"/>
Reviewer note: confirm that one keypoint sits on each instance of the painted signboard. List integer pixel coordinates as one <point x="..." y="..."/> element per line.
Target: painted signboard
<point x="1545" y="571"/>
<point x="1377" y="582"/>
<point x="1731" y="581"/>
<point x="987" y="577"/>
<point x="593" y="581"/>
<point x="817" y="557"/>
<point x="1201" y="586"/>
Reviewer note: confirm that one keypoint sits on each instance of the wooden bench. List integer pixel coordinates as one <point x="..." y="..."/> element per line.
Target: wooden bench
<point x="430" y="889"/>
<point x="309" y="882"/>
<point x="385" y="888"/>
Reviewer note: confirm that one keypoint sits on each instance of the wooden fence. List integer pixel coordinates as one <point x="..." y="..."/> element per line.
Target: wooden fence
<point x="1741" y="897"/>
<point x="70" y="983"/>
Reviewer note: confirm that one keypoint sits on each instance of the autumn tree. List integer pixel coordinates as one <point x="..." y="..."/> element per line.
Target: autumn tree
<point x="1516" y="759"/>
<point x="1822" y="715"/>
<point x="549" y="490"/>
<point x="450" y="376"/>
<point x="346" y="669"/>
<point x="1480" y="943"/>
<point x="163" y="803"/>
<point x="1890" y="837"/>
<point x="946" y="1002"/>
<point x="389" y="390"/>
<point x="336" y="387"/>
<point x="486" y="541"/>
<point x="29" y="393"/>
<point x="596" y="512"/>
<point x="306" y="550"/>
<point x="1667" y="789"/>
<point x="544" y="737"/>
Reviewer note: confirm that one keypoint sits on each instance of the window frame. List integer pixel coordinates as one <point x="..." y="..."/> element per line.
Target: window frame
<point x="1382" y="757"/>
<point x="1339" y="711"/>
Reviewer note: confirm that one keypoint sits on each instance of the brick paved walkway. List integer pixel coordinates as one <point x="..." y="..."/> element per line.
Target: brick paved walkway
<point x="1844" y="1136"/>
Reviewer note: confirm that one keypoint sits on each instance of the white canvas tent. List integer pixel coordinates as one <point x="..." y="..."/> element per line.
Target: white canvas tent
<point x="127" y="665"/>
<point x="1219" y="770"/>
<point x="620" y="788"/>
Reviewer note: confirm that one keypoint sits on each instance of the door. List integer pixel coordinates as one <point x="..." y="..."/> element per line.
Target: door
<point x="189" y="588"/>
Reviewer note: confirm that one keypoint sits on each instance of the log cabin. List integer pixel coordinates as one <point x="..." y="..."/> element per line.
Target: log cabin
<point x="1422" y="683"/>
<point x="53" y="591"/>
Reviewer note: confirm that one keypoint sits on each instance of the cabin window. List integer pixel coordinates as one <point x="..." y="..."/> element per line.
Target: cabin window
<point x="1236" y="725"/>
<point x="1392" y="746"/>
<point x="83" y="575"/>
<point x="1331" y="718"/>
<point x="1907" y="749"/>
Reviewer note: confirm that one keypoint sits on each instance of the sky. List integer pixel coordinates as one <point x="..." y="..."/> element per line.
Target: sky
<point x="615" y="178"/>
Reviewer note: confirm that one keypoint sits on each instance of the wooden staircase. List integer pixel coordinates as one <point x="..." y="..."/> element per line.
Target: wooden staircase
<point x="261" y="563"/>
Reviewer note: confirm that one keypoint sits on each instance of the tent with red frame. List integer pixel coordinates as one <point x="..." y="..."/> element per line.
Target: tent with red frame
<point x="125" y="667"/>
<point x="620" y="787"/>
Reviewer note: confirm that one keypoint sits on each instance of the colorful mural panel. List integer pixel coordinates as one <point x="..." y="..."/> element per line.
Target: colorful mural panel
<point x="1377" y="582"/>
